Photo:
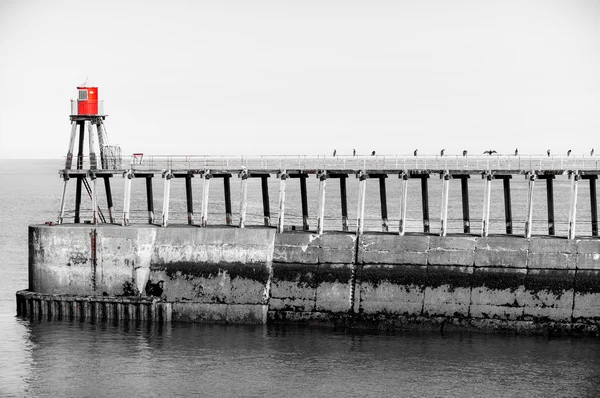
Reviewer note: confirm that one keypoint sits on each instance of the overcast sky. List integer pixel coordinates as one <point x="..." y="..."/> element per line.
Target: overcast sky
<point x="304" y="77"/>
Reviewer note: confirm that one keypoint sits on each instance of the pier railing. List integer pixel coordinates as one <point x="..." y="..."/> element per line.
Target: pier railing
<point x="354" y="163"/>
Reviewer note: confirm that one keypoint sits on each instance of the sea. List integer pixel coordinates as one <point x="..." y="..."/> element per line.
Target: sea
<point x="107" y="359"/>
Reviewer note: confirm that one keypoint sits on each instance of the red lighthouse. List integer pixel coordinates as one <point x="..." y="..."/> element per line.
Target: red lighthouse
<point x="87" y="103"/>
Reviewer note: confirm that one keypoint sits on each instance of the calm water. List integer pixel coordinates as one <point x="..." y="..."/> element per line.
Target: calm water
<point x="104" y="359"/>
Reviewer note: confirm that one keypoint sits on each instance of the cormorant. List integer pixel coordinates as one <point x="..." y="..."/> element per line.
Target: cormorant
<point x="548" y="152"/>
<point x="442" y="152"/>
<point x="334" y="152"/>
<point x="354" y="152"/>
<point x="516" y="151"/>
<point x="415" y="152"/>
<point x="569" y="152"/>
<point x="465" y="152"/>
<point x="592" y="152"/>
<point x="373" y="153"/>
<point x="489" y="152"/>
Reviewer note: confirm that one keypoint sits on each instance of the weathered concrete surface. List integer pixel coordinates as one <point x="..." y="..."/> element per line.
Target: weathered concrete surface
<point x="380" y="280"/>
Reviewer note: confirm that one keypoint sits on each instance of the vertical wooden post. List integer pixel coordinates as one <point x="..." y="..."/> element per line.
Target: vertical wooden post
<point x="78" y="180"/>
<point x="444" y="208"/>
<point x="360" y="214"/>
<point x="92" y="149"/>
<point x="507" y="204"/>
<point x="464" y="188"/>
<point x="321" y="213"/>
<point x="126" y="196"/>
<point x="243" y="197"/>
<point x="80" y="148"/>
<point x="205" y="189"/>
<point x="529" y="221"/>
<point x="573" y="204"/>
<point x="150" y="199"/>
<point x="61" y="212"/>
<point x="344" y="202"/>
<point x="425" y="202"/>
<point x="94" y="199"/>
<point x="280" y="219"/>
<point x="403" y="203"/>
<point x="383" y="200"/>
<point x="189" y="199"/>
<point x="103" y="164"/>
<point x="227" y="192"/>
<point x="265" y="197"/>
<point x="109" y="201"/>
<point x="485" y="220"/>
<point x="69" y="161"/>
<point x="550" y="200"/>
<point x="304" y="201"/>
<point x="165" y="213"/>
<point x="594" y="204"/>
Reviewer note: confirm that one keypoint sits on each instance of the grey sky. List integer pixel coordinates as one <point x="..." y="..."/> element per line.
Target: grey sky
<point x="304" y="77"/>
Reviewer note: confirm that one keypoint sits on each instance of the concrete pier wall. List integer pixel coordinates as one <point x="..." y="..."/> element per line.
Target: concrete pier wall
<point x="254" y="275"/>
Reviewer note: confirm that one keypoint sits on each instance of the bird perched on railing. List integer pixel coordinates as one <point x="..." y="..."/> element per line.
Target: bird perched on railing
<point x="465" y="152"/>
<point x="442" y="152"/>
<point x="592" y="152"/>
<point x="354" y="152"/>
<point x="373" y="153"/>
<point x="415" y="152"/>
<point x="548" y="152"/>
<point x="489" y="152"/>
<point x="516" y="151"/>
<point x="334" y="152"/>
<point x="569" y="152"/>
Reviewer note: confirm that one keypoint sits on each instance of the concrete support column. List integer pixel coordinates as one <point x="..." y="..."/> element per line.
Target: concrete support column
<point x="205" y="190"/>
<point x="94" y="195"/>
<point x="167" y="175"/>
<point x="265" y="197"/>
<point x="92" y="147"/>
<point x="444" y="208"/>
<point x="150" y="199"/>
<point x="128" y="175"/>
<point x="529" y="220"/>
<point x="282" y="175"/>
<point x="109" y="201"/>
<point x="574" y="176"/>
<point x="360" y="213"/>
<point x="403" y="203"/>
<point x="344" y="203"/>
<point x="69" y="160"/>
<point x="189" y="198"/>
<point x="487" y="191"/>
<point x="321" y="212"/>
<point x="227" y="193"/>
<point x="61" y="212"/>
<point x="243" y="197"/>
<point x="464" y="187"/>
<point x="383" y="200"/>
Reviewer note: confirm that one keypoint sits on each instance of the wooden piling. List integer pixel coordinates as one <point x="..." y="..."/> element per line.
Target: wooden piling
<point x="80" y="147"/>
<point x="321" y="210"/>
<point x="425" y="201"/>
<point x="92" y="146"/>
<point x="485" y="220"/>
<point x="531" y="177"/>
<point x="304" y="197"/>
<point x="403" y="203"/>
<point x="593" y="201"/>
<point x="464" y="188"/>
<point x="280" y="218"/>
<point x="69" y="161"/>
<point x="166" y="196"/>
<point x="205" y="190"/>
<point x="360" y="213"/>
<point x="243" y="198"/>
<point x="61" y="212"/>
<point x="109" y="200"/>
<point x="344" y="201"/>
<point x="444" y="208"/>
<point x="227" y="193"/>
<point x="383" y="201"/>
<point x="550" y="201"/>
<point x="77" y="219"/>
<point x="507" y="203"/>
<point x="189" y="199"/>
<point x="265" y="199"/>
<point x="127" y="196"/>
<point x="574" y="176"/>
<point x="150" y="199"/>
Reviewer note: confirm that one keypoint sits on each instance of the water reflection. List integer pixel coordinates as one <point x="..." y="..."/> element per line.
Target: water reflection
<point x="65" y="358"/>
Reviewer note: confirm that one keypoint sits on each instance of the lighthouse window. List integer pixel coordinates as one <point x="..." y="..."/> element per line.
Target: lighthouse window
<point x="83" y="94"/>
